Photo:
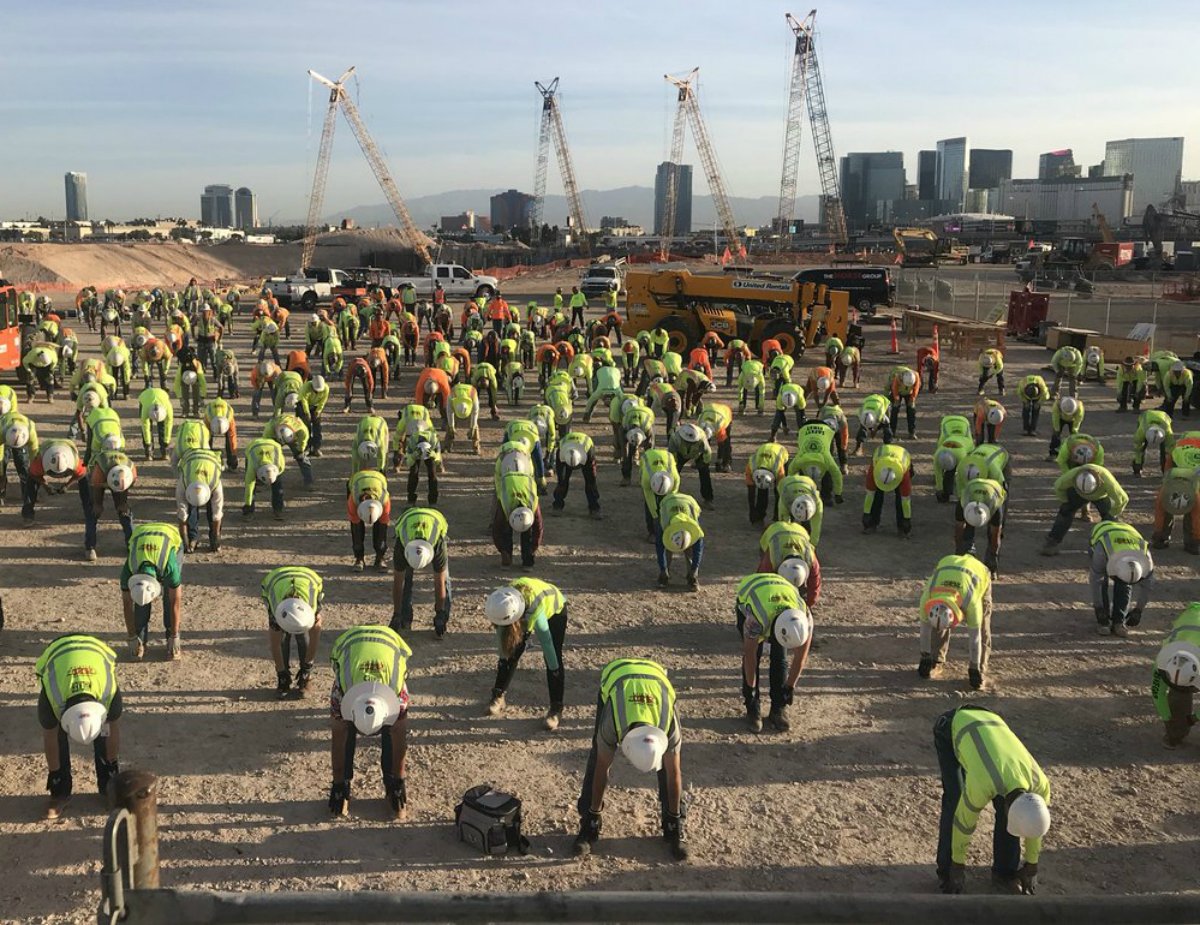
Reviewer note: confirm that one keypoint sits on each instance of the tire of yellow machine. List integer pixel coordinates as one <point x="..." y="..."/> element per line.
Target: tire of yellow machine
<point x="682" y="335"/>
<point x="788" y="335"/>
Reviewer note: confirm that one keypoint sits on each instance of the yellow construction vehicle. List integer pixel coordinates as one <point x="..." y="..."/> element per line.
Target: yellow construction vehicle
<point x="916" y="247"/>
<point x="751" y="308"/>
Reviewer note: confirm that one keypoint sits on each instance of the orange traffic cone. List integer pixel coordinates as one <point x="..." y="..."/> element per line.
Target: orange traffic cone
<point x="937" y="346"/>
<point x="895" y="343"/>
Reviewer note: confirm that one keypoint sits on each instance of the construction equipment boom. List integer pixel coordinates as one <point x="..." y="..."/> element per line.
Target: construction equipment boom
<point x="339" y="98"/>
<point x="689" y="110"/>
<point x="552" y="126"/>
<point x="792" y="131"/>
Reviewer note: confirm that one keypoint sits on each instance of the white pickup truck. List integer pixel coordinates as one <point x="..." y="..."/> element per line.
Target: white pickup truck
<point x="456" y="281"/>
<point x="306" y="289"/>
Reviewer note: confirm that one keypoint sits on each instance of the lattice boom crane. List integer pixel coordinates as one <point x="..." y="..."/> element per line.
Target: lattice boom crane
<point x="552" y="127"/>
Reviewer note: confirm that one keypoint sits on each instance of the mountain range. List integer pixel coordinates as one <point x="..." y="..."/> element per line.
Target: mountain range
<point x="633" y="203"/>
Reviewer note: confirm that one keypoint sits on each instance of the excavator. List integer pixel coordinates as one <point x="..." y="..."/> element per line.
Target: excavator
<point x="752" y="308"/>
<point x="1174" y="225"/>
<point x="916" y="247"/>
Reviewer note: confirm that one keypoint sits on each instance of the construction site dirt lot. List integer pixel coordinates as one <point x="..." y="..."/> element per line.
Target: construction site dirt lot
<point x="846" y="801"/>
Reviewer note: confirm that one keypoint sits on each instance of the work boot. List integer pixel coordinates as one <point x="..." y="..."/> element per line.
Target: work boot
<point x="778" y="719"/>
<point x="675" y="835"/>
<point x="589" y="832"/>
<point x="1006" y="885"/>
<point x="975" y="678"/>
<point x="506" y="559"/>
<point x="693" y="582"/>
<point x="339" y="798"/>
<point x="358" y="564"/>
<point x="284" y="682"/>
<point x="754" y="717"/>
<point x="137" y="648"/>
<point x="1050" y="549"/>
<point x="553" y="717"/>
<point x="303" y="677"/>
<point x="1120" y="628"/>
<point x="89" y="554"/>
<point x="173" y="652"/>
<point x="397" y="796"/>
<point x="379" y="564"/>
<point x="925" y="666"/>
<point x="664" y="579"/>
<point x="496" y="705"/>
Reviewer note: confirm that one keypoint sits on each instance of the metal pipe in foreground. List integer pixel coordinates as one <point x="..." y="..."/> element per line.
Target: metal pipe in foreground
<point x="137" y="792"/>
<point x="185" y="907"/>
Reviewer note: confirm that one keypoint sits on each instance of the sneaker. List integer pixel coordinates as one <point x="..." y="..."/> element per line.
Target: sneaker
<point x="173" y="652"/>
<point x="1119" y="628"/>
<point x="778" y="720"/>
<point x="90" y="555"/>
<point x="506" y="559"/>
<point x="303" y="678"/>
<point x="496" y="706"/>
<point x="137" y="648"/>
<point x="358" y="565"/>
<point x="693" y="583"/>
<point x="553" y="717"/>
<point x="283" y="682"/>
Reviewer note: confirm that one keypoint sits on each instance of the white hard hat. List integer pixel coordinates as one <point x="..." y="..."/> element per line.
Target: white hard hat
<point x="120" y="478"/>
<point x="16" y="436"/>
<point x="995" y="415"/>
<point x="803" y="508"/>
<point x="976" y="513"/>
<point x="886" y="475"/>
<point x="112" y="442"/>
<point x="268" y="473"/>
<point x="846" y="356"/>
<point x="219" y="425"/>
<point x="285" y="433"/>
<point x="521" y="519"/>
<point x="424" y="448"/>
<point x="869" y="419"/>
<point x="316" y="318"/>
<point x="973" y="471"/>
<point x="1028" y="817"/>
<point x="814" y="472"/>
<point x="830" y="420"/>
<point x="763" y="479"/>
<point x="1177" y="367"/>
<point x="628" y="403"/>
<point x="5" y="405"/>
<point x="264" y="367"/>
<point x="573" y="455"/>
<point x="431" y="387"/>
<point x="1082" y="454"/>
<point x="987" y="360"/>
<point x="1086" y="482"/>
<point x="369" y="511"/>
<point x="294" y="616"/>
<point x="942" y="616"/>
<point x="1093" y="354"/>
<point x="908" y="378"/>
<point x="91" y="398"/>
<point x="1180" y="502"/>
<point x="1130" y="566"/>
<point x="144" y="589"/>
<point x="690" y="433"/>
<point x="793" y="627"/>
<point x="368" y="448"/>
<point x="270" y="327"/>
<point x="290" y="399"/>
<point x="1068" y="405"/>
<point x="645" y="746"/>
<point x="635" y="435"/>
<point x="59" y="459"/>
<point x="946" y="459"/>
<point x="370" y="706"/>
<point x="462" y="407"/>
<point x="418" y="554"/>
<point x="198" y="494"/>
<point x="189" y="377"/>
<point x="158" y="412"/>
<point x="709" y="428"/>
<point x="83" y="721"/>
<point x="789" y="399"/>
<point x="139" y="340"/>
<point x="504" y="606"/>
<point x="1154" y="435"/>
<point x="318" y="383"/>
<point x="1181" y="662"/>
<point x="794" y="569"/>
<point x="677" y="536"/>
<point x="661" y="483"/>
<point x="823" y="383"/>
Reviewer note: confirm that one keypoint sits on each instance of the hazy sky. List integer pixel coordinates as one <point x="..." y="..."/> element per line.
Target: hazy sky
<point x="155" y="99"/>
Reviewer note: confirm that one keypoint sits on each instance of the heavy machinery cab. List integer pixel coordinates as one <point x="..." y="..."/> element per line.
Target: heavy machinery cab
<point x="10" y="328"/>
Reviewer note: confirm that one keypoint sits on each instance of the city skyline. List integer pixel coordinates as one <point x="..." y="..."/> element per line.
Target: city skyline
<point x="183" y="74"/>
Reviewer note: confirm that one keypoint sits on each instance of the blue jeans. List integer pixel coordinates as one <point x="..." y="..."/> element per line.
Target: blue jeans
<point x="1006" y="849"/>
<point x="91" y="518"/>
<point x="695" y="554"/>
<point x="406" y="596"/>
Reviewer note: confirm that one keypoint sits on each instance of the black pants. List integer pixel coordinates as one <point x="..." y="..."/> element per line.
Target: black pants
<point x="556" y="680"/>
<point x="48" y="721"/>
<point x="777" y="671"/>
<point x="577" y="316"/>
<point x="385" y="750"/>
<point x="590" y="490"/>
<point x="414" y="479"/>
<point x="1173" y="394"/>
<point x="779" y="422"/>
<point x="1129" y="392"/>
<point x="1071" y="507"/>
<point x="759" y="500"/>
<point x="1030" y="412"/>
<point x="1006" y="849"/>
<point x="358" y="538"/>
<point x="910" y="414"/>
<point x="584" y="803"/>
<point x="875" y="515"/>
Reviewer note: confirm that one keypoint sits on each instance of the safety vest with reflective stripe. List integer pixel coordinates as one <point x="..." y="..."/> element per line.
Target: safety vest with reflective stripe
<point x="368" y="483"/>
<point x="1116" y="537"/>
<point x="785" y="540"/>
<point x="421" y="523"/>
<point x="639" y="692"/>
<point x="954" y="425"/>
<point x="153" y="544"/>
<point x="370" y="653"/>
<point x="292" y="581"/>
<point x="987" y="492"/>
<point x="522" y="430"/>
<point x="894" y="457"/>
<point x="192" y="435"/>
<point x="74" y="665"/>
<point x="814" y="439"/>
<point x="677" y="504"/>
<point x="718" y="414"/>
<point x="994" y="763"/>
<point x="516" y="489"/>
<point x="962" y="581"/>
<point x="202" y="466"/>
<point x="876" y="404"/>
<point x="577" y="438"/>
<point x="1186" y="628"/>
<point x="542" y="599"/>
<point x="766" y="595"/>
<point x="773" y="457"/>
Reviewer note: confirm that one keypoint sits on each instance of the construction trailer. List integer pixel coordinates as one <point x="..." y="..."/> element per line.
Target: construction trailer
<point x="753" y="309"/>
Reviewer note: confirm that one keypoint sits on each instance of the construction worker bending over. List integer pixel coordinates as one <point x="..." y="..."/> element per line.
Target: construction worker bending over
<point x="79" y="701"/>
<point x="659" y="476"/>
<point x="1131" y="384"/>
<point x="680" y="532"/>
<point x="769" y="612"/>
<point x="1033" y="391"/>
<point x="981" y="504"/>
<point x="833" y="349"/>
<point x="635" y="712"/>
<point x="954" y="443"/>
<point x="293" y="596"/>
<point x="716" y="420"/>
<point x="40" y="365"/>
<point x="153" y="569"/>
<point x="114" y="471"/>
<point x="158" y="422"/>
<point x="835" y="418"/>
<point x="577" y="452"/>
<point x="358" y="374"/>
<point x="421" y="543"/>
<point x="1093" y="364"/>
<point x="800" y="503"/>
<point x="264" y="467"/>
<point x="464" y="412"/>
<point x="199" y="486"/>
<point x="991" y="365"/>
<point x="693" y="385"/>
<point x="1079" y="449"/>
<point x="1067" y="363"/>
<point x="222" y="426"/>
<point x="689" y="444"/>
<point x="929" y="363"/>
<point x="788" y="551"/>
<point x="958" y="592"/>
<point x="905" y="386"/>
<point x="290" y="431"/>
<point x="751" y="382"/>
<point x="764" y="471"/>
<point x="518" y="611"/>
<point x="874" y="415"/>
<point x="369" y="698"/>
<point x="422" y="449"/>
<point x="849" y="360"/>
<point x="1177" y="387"/>
<point x="814" y="458"/>
<point x="736" y="354"/>
<point x="637" y="432"/>
<point x="1122" y="557"/>
<point x="789" y="397"/>
<point x="190" y="383"/>
<point x="890" y="472"/>
<point x="517" y="513"/>
<point x="607" y="387"/>
<point x="989" y="420"/>
<point x="1177" y="677"/>
<point x="314" y="396"/>
<point x="368" y="504"/>
<point x="982" y="761"/>
<point x="1154" y="431"/>
<point x="1178" y="497"/>
<point x="781" y="372"/>
<point x="1078" y="487"/>
<point x="57" y="469"/>
<point x="1067" y="418"/>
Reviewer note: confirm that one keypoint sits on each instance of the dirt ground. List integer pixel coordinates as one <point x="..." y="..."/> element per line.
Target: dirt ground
<point x="847" y="801"/>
